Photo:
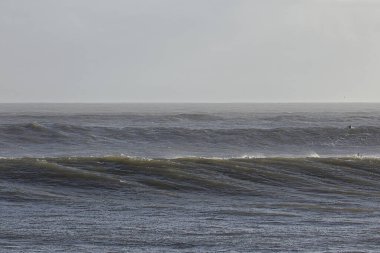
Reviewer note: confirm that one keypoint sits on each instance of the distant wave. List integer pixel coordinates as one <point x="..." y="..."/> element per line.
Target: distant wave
<point x="40" y="133"/>
<point x="247" y="176"/>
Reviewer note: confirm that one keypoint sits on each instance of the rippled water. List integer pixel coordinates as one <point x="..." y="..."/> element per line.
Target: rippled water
<point x="190" y="178"/>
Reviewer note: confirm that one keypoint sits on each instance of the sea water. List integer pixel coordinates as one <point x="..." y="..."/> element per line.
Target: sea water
<point x="189" y="177"/>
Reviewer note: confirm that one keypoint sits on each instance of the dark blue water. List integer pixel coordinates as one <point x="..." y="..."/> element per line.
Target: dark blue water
<point x="189" y="178"/>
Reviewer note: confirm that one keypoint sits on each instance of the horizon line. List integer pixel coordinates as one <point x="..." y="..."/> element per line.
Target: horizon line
<point x="187" y="102"/>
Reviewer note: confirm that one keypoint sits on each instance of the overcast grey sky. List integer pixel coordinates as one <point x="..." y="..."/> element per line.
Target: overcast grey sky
<point x="189" y="51"/>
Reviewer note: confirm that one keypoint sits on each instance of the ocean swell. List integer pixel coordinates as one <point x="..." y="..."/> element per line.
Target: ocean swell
<point x="270" y="177"/>
<point x="47" y="133"/>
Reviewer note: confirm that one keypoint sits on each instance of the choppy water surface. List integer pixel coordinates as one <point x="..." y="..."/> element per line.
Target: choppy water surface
<point x="190" y="178"/>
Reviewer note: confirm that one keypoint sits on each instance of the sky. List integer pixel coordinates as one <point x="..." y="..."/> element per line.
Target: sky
<point x="190" y="51"/>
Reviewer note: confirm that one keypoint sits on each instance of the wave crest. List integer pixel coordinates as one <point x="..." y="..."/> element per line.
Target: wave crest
<point x="247" y="176"/>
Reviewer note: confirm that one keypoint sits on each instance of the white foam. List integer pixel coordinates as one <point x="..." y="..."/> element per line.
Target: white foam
<point x="313" y="155"/>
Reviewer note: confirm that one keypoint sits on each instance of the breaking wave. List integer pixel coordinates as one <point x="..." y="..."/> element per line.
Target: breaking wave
<point x="270" y="177"/>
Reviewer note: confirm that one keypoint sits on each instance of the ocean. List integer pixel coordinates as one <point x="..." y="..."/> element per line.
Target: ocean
<point x="189" y="178"/>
